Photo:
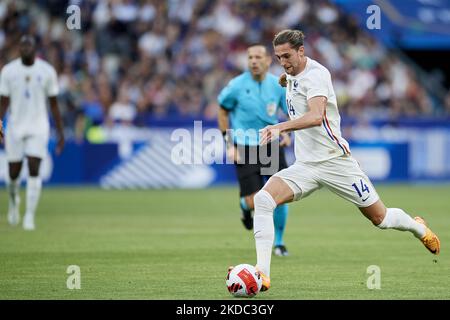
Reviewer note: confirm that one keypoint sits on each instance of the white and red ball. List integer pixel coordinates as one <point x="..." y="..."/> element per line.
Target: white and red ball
<point x="244" y="281"/>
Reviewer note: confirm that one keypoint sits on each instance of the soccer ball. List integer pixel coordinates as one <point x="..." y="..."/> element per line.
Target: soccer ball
<point x="244" y="281"/>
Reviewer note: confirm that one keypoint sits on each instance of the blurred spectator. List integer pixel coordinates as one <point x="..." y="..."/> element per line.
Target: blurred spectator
<point x="92" y="111"/>
<point x="447" y="104"/>
<point x="122" y="111"/>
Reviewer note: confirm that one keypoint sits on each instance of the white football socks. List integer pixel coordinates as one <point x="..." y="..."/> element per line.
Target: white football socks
<point x="264" y="229"/>
<point x="34" y="185"/>
<point x="14" y="201"/>
<point x="399" y="220"/>
<point x="13" y="190"/>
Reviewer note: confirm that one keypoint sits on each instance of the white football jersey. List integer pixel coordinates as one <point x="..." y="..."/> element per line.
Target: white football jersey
<point x="321" y="142"/>
<point x="28" y="88"/>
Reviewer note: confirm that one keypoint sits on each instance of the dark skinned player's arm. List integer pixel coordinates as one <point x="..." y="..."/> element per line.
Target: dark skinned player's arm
<point x="58" y="122"/>
<point x="4" y="103"/>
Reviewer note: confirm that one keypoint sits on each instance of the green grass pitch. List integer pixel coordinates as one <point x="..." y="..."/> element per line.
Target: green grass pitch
<point x="177" y="244"/>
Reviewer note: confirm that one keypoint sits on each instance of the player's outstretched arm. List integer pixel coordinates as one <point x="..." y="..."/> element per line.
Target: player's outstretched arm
<point x="59" y="124"/>
<point x="312" y="118"/>
<point x="4" y="102"/>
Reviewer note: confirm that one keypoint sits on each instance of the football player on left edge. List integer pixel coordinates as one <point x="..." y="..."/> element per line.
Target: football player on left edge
<point x="25" y="85"/>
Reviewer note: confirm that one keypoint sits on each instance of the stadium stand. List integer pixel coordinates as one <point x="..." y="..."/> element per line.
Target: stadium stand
<point x="138" y="60"/>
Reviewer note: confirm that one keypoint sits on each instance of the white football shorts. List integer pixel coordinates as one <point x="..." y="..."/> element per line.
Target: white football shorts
<point x="17" y="147"/>
<point x="341" y="175"/>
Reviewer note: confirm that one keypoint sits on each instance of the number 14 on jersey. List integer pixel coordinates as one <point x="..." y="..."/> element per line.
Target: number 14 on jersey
<point x="364" y="188"/>
<point x="291" y="109"/>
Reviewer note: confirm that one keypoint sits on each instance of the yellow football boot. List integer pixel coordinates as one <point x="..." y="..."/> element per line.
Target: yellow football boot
<point x="430" y="240"/>
<point x="265" y="281"/>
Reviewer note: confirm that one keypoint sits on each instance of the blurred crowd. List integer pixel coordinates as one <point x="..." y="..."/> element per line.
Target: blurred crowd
<point x="138" y="59"/>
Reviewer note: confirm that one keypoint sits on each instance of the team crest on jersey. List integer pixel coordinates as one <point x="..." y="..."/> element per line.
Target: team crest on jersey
<point x="27" y="78"/>
<point x="293" y="86"/>
<point x="271" y="108"/>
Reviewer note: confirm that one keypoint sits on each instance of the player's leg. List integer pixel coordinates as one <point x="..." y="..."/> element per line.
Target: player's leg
<point x="13" y="185"/>
<point x="35" y="150"/>
<point x="274" y="193"/>
<point x="281" y="213"/>
<point x="279" y="218"/>
<point x="250" y="182"/>
<point x="247" y="202"/>
<point x="344" y="177"/>
<point x="396" y="218"/>
<point x="285" y="186"/>
<point x="14" y="148"/>
<point x="392" y="218"/>
<point x="247" y="206"/>
<point x="33" y="192"/>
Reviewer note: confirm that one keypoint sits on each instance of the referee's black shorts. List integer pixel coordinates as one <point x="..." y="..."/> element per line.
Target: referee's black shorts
<point x="258" y="166"/>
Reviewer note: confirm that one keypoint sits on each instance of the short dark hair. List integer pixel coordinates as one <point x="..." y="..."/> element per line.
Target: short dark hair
<point x="258" y="44"/>
<point x="28" y="38"/>
<point x="293" y="37"/>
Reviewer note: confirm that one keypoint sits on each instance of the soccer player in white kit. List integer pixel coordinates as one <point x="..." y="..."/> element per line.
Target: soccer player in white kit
<point x="25" y="84"/>
<point x="323" y="157"/>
